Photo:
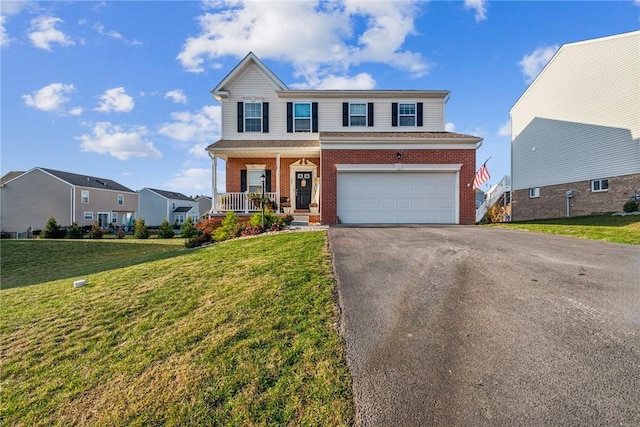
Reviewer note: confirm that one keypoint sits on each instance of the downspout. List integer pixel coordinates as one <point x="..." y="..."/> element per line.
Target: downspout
<point x="73" y="205"/>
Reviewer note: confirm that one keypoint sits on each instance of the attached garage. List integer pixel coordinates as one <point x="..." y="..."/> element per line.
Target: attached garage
<point x="398" y="194"/>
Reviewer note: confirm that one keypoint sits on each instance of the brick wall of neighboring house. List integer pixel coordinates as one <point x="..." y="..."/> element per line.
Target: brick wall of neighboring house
<point x="235" y="165"/>
<point x="552" y="202"/>
<point x="330" y="158"/>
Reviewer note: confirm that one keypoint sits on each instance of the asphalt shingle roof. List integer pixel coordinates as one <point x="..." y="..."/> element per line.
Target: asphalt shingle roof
<point x="87" y="181"/>
<point x="172" y="195"/>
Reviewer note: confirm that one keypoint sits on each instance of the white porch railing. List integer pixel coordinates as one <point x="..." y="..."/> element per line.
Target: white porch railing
<point x="493" y="195"/>
<point x="239" y="202"/>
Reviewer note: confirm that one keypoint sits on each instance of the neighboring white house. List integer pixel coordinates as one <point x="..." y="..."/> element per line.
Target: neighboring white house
<point x="576" y="131"/>
<point x="158" y="205"/>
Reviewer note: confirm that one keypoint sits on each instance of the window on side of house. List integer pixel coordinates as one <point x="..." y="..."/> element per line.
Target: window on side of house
<point x="120" y="199"/>
<point x="114" y="217"/>
<point x="302" y="117"/>
<point x="534" y="192"/>
<point x="358" y="114"/>
<point x="407" y="114"/>
<point x="253" y="117"/>
<point x="598" y="185"/>
<point x="180" y="219"/>
<point x="84" y="196"/>
<point x="88" y="216"/>
<point x="254" y="182"/>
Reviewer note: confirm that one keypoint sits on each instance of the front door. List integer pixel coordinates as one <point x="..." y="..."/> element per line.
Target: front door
<point x="303" y="190"/>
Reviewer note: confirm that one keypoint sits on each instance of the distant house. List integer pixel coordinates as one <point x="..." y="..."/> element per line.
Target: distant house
<point x="28" y="200"/>
<point x="354" y="156"/>
<point x="576" y="131"/>
<point x="204" y="205"/>
<point x="158" y="205"/>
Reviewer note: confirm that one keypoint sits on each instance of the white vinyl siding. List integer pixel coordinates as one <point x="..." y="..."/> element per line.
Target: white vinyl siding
<point x="579" y="120"/>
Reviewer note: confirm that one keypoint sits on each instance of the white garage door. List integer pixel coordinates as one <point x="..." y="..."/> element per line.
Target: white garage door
<point x="397" y="198"/>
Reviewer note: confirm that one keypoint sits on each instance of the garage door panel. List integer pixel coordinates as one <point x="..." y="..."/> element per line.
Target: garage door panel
<point x="387" y="197"/>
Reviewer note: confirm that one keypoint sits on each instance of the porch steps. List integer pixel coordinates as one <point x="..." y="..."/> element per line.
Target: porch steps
<point x="300" y="220"/>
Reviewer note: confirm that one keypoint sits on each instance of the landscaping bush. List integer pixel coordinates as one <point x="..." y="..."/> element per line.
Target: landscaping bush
<point x="252" y="230"/>
<point x="197" y="241"/>
<point x="230" y="228"/>
<point x="74" y="231"/>
<point x="188" y="230"/>
<point x="52" y="230"/>
<point x="96" y="232"/>
<point x="208" y="226"/>
<point x="269" y="219"/>
<point x="285" y="220"/>
<point x="630" y="206"/>
<point x="166" y="230"/>
<point x="140" y="229"/>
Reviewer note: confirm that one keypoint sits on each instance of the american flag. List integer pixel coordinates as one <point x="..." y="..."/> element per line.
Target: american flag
<point x="481" y="177"/>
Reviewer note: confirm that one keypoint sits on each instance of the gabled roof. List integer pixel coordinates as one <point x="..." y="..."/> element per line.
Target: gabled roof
<point x="171" y="195"/>
<point x="9" y="176"/>
<point x="78" y="180"/>
<point x="251" y="58"/>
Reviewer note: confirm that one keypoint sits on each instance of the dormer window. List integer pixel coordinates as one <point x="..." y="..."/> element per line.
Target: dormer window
<point x="407" y="114"/>
<point x="358" y="114"/>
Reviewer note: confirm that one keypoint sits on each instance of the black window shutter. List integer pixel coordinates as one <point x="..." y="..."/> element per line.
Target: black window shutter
<point x="419" y="114"/>
<point x="240" y="117"/>
<point x="289" y="117"/>
<point x="267" y="180"/>
<point x="265" y="117"/>
<point x="243" y="180"/>
<point x="314" y="117"/>
<point x="394" y="114"/>
<point x="370" y="114"/>
<point x="345" y="114"/>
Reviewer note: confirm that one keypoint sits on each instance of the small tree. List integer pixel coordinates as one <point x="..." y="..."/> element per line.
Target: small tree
<point x="96" y="232"/>
<point x="140" y="229"/>
<point x="52" y="230"/>
<point x="166" y="230"/>
<point x="188" y="229"/>
<point x="74" y="231"/>
<point x="630" y="206"/>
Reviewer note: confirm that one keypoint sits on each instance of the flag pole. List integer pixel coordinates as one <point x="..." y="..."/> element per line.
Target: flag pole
<point x="476" y="172"/>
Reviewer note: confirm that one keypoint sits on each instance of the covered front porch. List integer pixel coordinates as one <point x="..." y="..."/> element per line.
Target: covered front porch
<point x="286" y="172"/>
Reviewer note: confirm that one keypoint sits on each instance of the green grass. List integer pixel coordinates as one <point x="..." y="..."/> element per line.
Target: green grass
<point x="615" y="229"/>
<point x="239" y="333"/>
<point x="28" y="262"/>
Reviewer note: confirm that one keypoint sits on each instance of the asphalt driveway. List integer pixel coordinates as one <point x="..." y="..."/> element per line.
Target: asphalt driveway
<point x="463" y="325"/>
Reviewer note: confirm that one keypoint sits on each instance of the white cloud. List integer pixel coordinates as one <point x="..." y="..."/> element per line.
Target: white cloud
<point x="114" y="35"/>
<point x="532" y="64"/>
<point x="450" y="127"/>
<point x="44" y="32"/>
<point x="5" y="40"/>
<point x="361" y="81"/>
<point x="191" y="181"/>
<point x="76" y="111"/>
<point x="317" y="38"/>
<point x="115" y="99"/>
<point x="114" y="141"/>
<point x="199" y="129"/>
<point x="480" y="7"/>
<point x="505" y="129"/>
<point x="50" y="98"/>
<point x="177" y="96"/>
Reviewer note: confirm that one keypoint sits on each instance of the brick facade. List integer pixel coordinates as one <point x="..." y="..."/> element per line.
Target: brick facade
<point x="330" y="158"/>
<point x="552" y="202"/>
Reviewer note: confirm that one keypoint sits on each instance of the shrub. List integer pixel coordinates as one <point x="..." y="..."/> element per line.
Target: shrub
<point x="74" y="231"/>
<point x="630" y="206"/>
<point x="166" y="230"/>
<point x="188" y="230"/>
<point x="197" y="241"/>
<point x="208" y="226"/>
<point x="96" y="232"/>
<point x="52" y="230"/>
<point x="494" y="214"/>
<point x="140" y="229"/>
<point x="269" y="219"/>
<point x="253" y="230"/>
<point x="230" y="228"/>
<point x="285" y="220"/>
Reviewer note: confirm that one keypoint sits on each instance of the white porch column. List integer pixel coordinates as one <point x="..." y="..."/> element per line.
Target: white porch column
<point x="278" y="179"/>
<point x="214" y="183"/>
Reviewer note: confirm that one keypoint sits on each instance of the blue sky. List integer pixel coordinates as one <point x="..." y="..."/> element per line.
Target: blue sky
<point x="121" y="90"/>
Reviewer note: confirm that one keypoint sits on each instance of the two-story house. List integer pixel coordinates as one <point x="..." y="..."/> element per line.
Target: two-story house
<point x="30" y="198"/>
<point x="158" y="205"/>
<point x="363" y="156"/>
<point x="575" y="131"/>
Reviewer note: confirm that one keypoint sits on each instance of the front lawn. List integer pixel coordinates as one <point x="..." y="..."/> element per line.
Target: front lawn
<point x="616" y="229"/>
<point x="239" y="333"/>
